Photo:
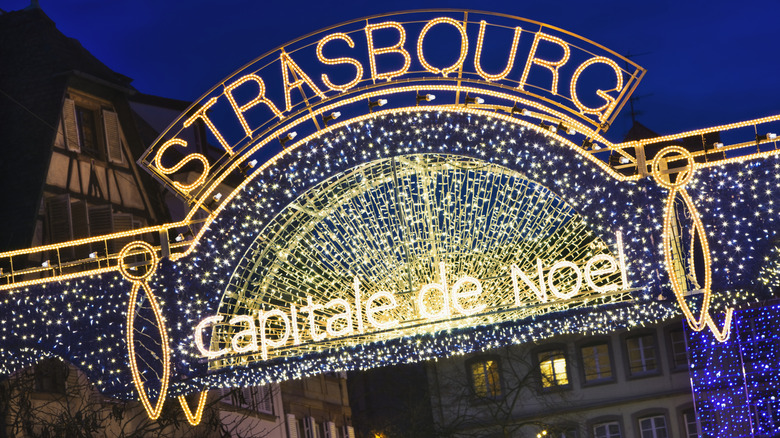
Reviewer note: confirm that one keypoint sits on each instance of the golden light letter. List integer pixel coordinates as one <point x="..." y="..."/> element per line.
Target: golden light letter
<point x="169" y="170"/>
<point x="336" y="61"/>
<point x="260" y="98"/>
<point x="289" y="66"/>
<point x="610" y="102"/>
<point x="553" y="66"/>
<point x="478" y="55"/>
<point x="464" y="46"/>
<point x="201" y="113"/>
<point x="396" y="48"/>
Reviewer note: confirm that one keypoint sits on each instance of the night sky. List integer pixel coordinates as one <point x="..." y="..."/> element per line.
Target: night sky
<point x="708" y="62"/>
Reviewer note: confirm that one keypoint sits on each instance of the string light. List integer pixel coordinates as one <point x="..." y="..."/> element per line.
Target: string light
<point x="684" y="176"/>
<point x="290" y="66"/>
<point x="78" y="316"/>
<point x="193" y="418"/>
<point x="185" y="188"/>
<point x="735" y="383"/>
<point x="510" y="60"/>
<point x="398" y="48"/>
<point x="260" y="98"/>
<point x="343" y="60"/>
<point x="464" y="46"/>
<point x="553" y="66"/>
<point x="186" y="287"/>
<point x="201" y="114"/>
<point x="609" y="102"/>
<point x="141" y="282"/>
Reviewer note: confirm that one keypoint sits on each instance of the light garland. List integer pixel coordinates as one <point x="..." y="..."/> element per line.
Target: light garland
<point x="510" y="60"/>
<point x="291" y="67"/>
<point x="609" y="101"/>
<point x="141" y="282"/>
<point x="735" y="383"/>
<point x="586" y="54"/>
<point x="60" y="318"/>
<point x="193" y="418"/>
<point x="260" y="98"/>
<point x="343" y="60"/>
<point x="684" y="176"/>
<point x="398" y="48"/>
<point x="464" y="46"/>
<point x="553" y="66"/>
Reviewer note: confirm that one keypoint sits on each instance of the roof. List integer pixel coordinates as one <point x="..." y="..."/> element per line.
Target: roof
<point x="37" y="63"/>
<point x="639" y="131"/>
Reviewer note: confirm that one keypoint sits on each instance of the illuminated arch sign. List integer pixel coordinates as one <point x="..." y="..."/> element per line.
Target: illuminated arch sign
<point x="487" y="60"/>
<point x="406" y="231"/>
<point x="333" y="269"/>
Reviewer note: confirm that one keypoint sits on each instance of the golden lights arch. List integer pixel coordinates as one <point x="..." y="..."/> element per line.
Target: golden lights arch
<point x="518" y="71"/>
<point x="404" y="246"/>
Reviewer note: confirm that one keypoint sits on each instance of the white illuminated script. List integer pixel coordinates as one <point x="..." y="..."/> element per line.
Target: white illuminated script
<point x="359" y="315"/>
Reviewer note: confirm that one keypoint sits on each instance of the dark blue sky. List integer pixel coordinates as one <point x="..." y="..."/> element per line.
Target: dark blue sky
<point x="708" y="62"/>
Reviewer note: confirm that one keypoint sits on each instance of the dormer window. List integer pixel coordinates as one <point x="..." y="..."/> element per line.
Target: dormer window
<point x="87" y="131"/>
<point x="92" y="129"/>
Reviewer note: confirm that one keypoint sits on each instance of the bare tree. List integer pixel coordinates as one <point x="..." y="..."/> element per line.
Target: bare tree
<point x="500" y="393"/>
<point x="54" y="399"/>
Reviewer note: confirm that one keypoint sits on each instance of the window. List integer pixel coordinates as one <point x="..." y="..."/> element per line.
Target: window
<point x="309" y="427"/>
<point x="292" y="426"/>
<point x="596" y="363"/>
<point x="641" y="354"/>
<point x="255" y="398"/>
<point x="485" y="378"/>
<point x="692" y="426"/>
<point x="679" y="348"/>
<point x="607" y="430"/>
<point x="568" y="433"/>
<point x="653" y="427"/>
<point x="87" y="128"/>
<point x="91" y="129"/>
<point x="50" y="376"/>
<point x="552" y="366"/>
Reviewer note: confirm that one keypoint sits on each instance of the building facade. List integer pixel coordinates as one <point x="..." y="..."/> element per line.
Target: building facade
<point x="537" y="269"/>
<point x="630" y="383"/>
<point x="71" y="131"/>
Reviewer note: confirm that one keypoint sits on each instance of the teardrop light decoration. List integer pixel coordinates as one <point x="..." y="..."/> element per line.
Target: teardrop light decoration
<point x="137" y="263"/>
<point x="675" y="180"/>
<point x="193" y="418"/>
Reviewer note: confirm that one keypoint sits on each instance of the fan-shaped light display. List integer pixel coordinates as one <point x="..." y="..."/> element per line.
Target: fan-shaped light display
<point x="408" y="245"/>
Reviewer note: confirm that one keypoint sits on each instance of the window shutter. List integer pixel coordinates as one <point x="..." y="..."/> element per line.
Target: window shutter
<point x="113" y="136"/>
<point x="71" y="128"/>
<point x="264" y="398"/>
<point x="80" y="223"/>
<point x="292" y="426"/>
<point x="310" y="427"/>
<point x="122" y="222"/>
<point x="101" y="223"/>
<point x="59" y="139"/>
<point x="330" y="430"/>
<point x="349" y="432"/>
<point x="60" y="227"/>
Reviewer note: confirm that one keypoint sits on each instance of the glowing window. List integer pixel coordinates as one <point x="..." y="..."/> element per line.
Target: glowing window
<point x="596" y="363"/>
<point x="653" y="427"/>
<point x="641" y="354"/>
<point x="485" y="378"/>
<point x="552" y="365"/>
